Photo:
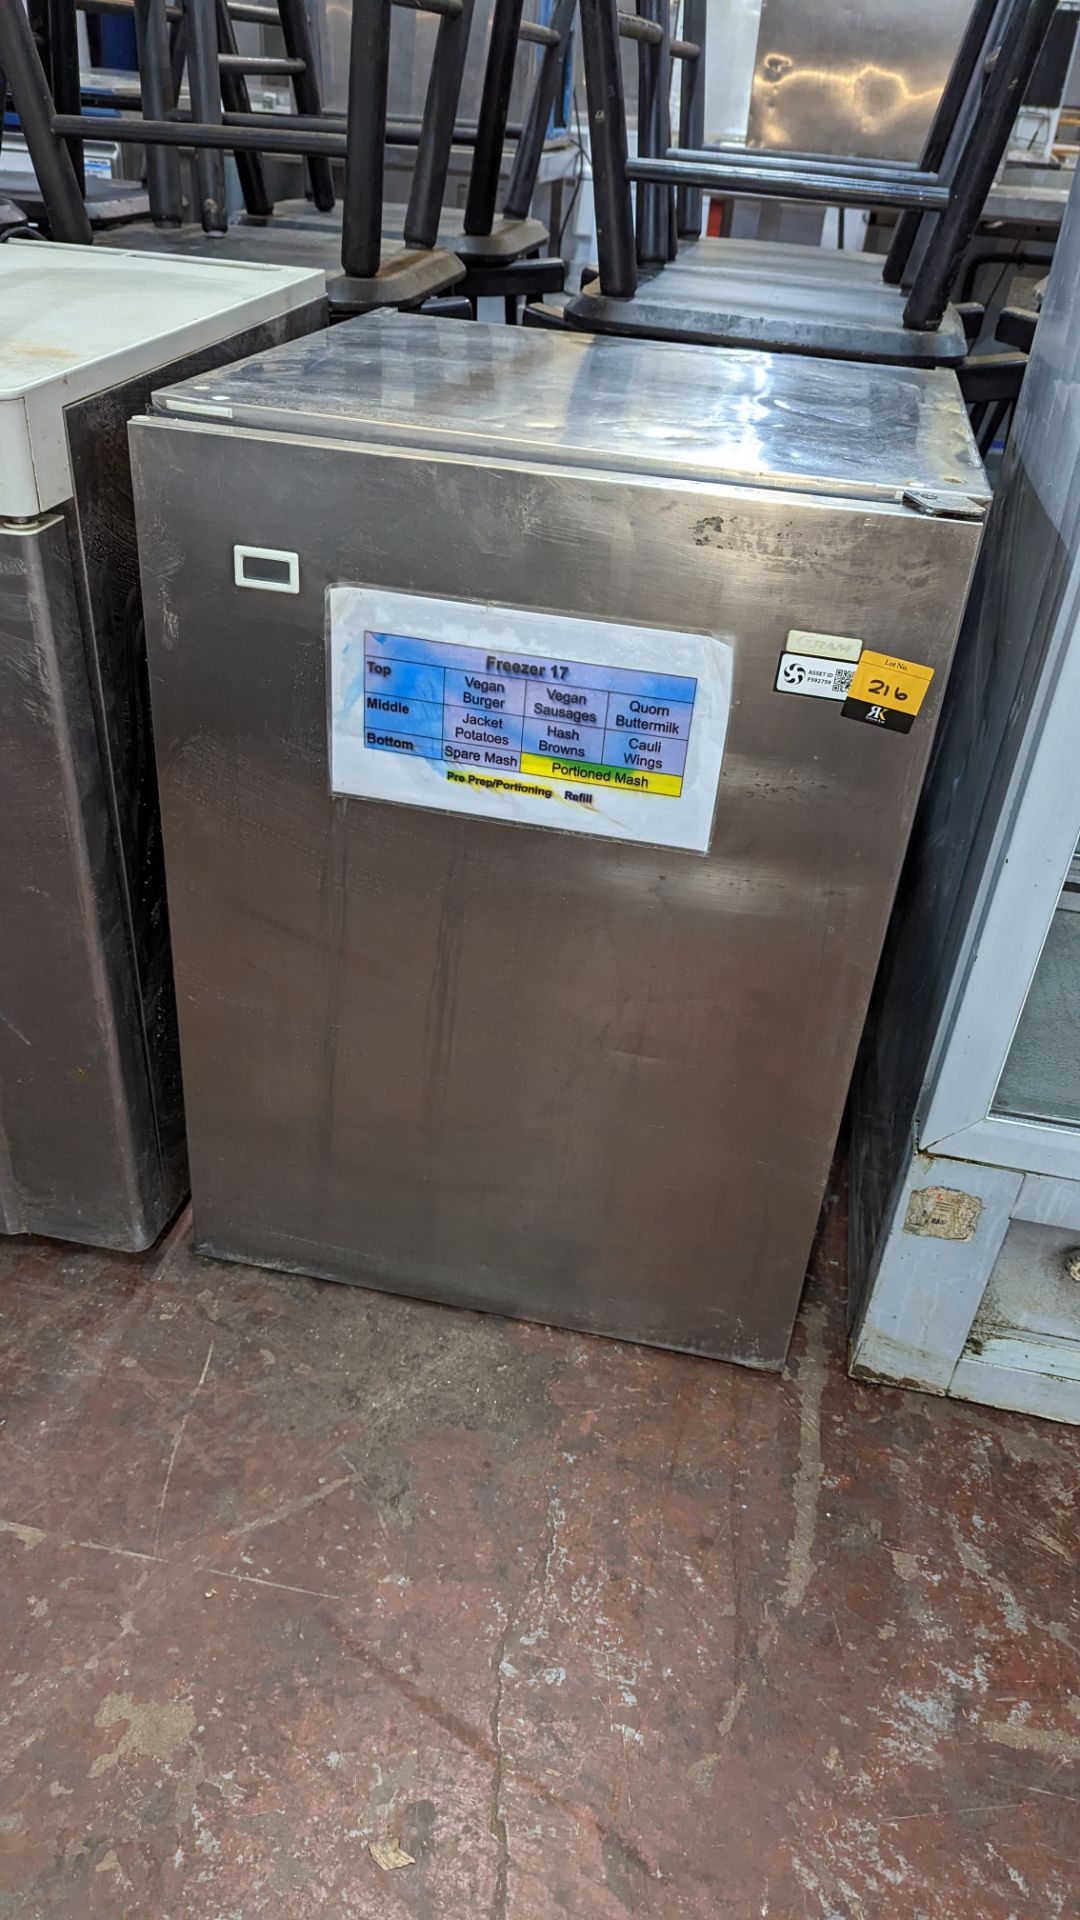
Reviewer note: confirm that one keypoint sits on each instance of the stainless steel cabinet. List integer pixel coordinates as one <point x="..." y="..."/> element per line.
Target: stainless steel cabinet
<point x="537" y="752"/>
<point x="91" y="1118"/>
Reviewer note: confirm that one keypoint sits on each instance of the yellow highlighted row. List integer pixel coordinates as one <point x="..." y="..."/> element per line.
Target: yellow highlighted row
<point x="507" y="782"/>
<point x="619" y="779"/>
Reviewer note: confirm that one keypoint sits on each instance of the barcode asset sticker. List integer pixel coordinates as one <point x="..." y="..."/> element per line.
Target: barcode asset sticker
<point x="820" y="679"/>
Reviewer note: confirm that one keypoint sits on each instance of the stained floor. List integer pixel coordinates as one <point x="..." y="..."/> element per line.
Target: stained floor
<point x="291" y="1570"/>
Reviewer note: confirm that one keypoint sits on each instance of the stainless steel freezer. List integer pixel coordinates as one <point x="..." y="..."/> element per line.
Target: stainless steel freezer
<point x="91" y="1120"/>
<point x="539" y="721"/>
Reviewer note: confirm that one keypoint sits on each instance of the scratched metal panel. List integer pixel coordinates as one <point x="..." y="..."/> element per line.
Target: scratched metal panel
<point x="851" y="76"/>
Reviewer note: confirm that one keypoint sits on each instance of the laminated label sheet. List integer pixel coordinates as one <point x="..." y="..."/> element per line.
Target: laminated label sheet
<point x="543" y="719"/>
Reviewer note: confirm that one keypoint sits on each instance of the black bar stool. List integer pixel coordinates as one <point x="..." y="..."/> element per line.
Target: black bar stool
<point x="798" y="299"/>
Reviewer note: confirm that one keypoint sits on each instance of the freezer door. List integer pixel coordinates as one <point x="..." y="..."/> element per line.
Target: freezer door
<point x="584" y="1079"/>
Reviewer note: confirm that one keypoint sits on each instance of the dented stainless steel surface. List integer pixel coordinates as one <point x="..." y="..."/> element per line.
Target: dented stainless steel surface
<point x="597" y="402"/>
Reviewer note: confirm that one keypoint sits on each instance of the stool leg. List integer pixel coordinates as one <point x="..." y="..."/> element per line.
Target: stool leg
<point x="205" y="85"/>
<point x="607" y="137"/>
<point x="67" y="216"/>
<point x="64" y="65"/>
<point x="158" y="100"/>
<point x="369" y="73"/>
<point x="437" y="128"/>
<point x="530" y="147"/>
<point x="236" y="99"/>
<point x="491" y="119"/>
<point x="296" y="28"/>
<point x="692" y="116"/>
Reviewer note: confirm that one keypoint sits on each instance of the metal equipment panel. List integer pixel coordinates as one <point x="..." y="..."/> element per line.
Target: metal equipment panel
<point x="860" y="80"/>
<point x="91" y="1116"/>
<point x="411" y="50"/>
<point x="544" y="1073"/>
<point x="78" y="1148"/>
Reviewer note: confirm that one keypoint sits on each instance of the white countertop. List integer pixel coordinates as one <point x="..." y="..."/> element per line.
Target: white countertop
<point x="77" y="320"/>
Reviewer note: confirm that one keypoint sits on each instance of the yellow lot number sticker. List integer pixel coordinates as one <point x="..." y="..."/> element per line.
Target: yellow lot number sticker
<point x="887" y="692"/>
<point x="891" y="683"/>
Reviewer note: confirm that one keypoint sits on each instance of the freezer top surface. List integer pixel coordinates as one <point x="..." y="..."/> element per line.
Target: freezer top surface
<point x="77" y="320"/>
<point x="685" y="412"/>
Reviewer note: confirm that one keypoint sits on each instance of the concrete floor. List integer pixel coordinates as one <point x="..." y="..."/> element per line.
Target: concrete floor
<point x="589" y="1630"/>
